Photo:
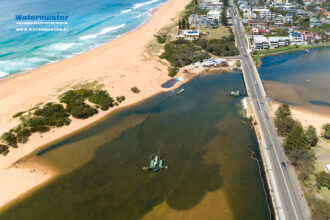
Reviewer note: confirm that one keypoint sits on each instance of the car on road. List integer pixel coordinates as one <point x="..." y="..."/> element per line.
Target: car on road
<point x="283" y="165"/>
<point x="255" y="82"/>
<point x="262" y="103"/>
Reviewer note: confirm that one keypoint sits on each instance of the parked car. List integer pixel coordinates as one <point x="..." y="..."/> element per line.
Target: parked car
<point x="283" y="165"/>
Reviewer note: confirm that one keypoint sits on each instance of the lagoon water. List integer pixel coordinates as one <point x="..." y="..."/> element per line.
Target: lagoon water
<point x="200" y="136"/>
<point x="90" y="24"/>
<point x="299" y="78"/>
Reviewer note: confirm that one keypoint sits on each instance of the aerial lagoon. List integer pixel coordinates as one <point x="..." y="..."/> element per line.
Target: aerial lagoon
<point x="301" y="79"/>
<point x="200" y="135"/>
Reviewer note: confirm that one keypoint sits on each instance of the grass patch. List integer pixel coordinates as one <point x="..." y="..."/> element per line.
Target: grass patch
<point x="217" y="33"/>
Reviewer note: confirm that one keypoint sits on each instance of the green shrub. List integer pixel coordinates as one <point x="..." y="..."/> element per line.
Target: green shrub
<point x="172" y="71"/>
<point x="182" y="52"/>
<point x="10" y="139"/>
<point x="323" y="180"/>
<point x="120" y="98"/>
<point x="49" y="110"/>
<point x="77" y="95"/>
<point x="135" y="89"/>
<point x="4" y="149"/>
<point x="81" y="110"/>
<point x="18" y="114"/>
<point x="326" y="130"/>
<point x="219" y="47"/>
<point x="23" y="135"/>
<point x="38" y="124"/>
<point x="102" y="98"/>
<point x="161" y="39"/>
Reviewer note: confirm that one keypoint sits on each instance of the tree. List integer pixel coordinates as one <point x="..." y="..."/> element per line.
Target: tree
<point x="183" y="24"/>
<point x="296" y="139"/>
<point x="188" y="25"/>
<point x="224" y="19"/>
<point x="323" y="180"/>
<point x="326" y="130"/>
<point x="180" y="25"/>
<point x="302" y="158"/>
<point x="311" y="135"/>
<point x="196" y="2"/>
<point x="283" y="120"/>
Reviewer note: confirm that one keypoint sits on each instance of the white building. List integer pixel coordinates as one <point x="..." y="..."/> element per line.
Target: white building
<point x="265" y="13"/>
<point x="187" y="35"/>
<point x="296" y="38"/>
<point x="249" y="15"/>
<point x="259" y="42"/>
<point x="275" y="42"/>
<point x="211" y="1"/>
<point x="214" y="15"/>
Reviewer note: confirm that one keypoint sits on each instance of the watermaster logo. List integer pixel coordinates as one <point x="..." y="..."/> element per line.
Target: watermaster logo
<point x="41" y="18"/>
<point x="45" y="23"/>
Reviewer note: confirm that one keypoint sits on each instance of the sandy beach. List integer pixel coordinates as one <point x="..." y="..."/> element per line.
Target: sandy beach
<point x="119" y="65"/>
<point x="306" y="117"/>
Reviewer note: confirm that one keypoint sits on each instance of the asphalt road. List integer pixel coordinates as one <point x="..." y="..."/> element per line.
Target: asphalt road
<point x="289" y="200"/>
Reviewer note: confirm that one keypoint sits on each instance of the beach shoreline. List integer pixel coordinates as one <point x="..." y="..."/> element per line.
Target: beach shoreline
<point x="304" y="116"/>
<point x="104" y="64"/>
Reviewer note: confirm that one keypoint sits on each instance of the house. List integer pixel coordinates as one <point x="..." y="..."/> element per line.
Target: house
<point x="265" y="13"/>
<point x="283" y="41"/>
<point x="301" y="13"/>
<point x="288" y="19"/>
<point x="211" y="5"/>
<point x="256" y="30"/>
<point x="249" y="15"/>
<point x="278" y="21"/>
<point x="199" y="20"/>
<point x="260" y="23"/>
<point x="273" y="42"/>
<point x="187" y="35"/>
<point x="260" y="42"/>
<point x="314" y="22"/>
<point x="307" y="35"/>
<point x="296" y="38"/>
<point x="214" y="15"/>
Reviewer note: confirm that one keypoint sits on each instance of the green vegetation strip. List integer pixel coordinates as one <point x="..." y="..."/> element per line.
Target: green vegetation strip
<point x="51" y="115"/>
<point x="298" y="146"/>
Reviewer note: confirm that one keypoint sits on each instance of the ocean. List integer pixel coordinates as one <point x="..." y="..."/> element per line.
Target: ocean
<point x="27" y="44"/>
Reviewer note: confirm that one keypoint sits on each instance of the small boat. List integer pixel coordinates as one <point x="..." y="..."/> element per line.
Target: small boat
<point x="235" y="94"/>
<point x="307" y="50"/>
<point x="156" y="163"/>
<point x="180" y="91"/>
